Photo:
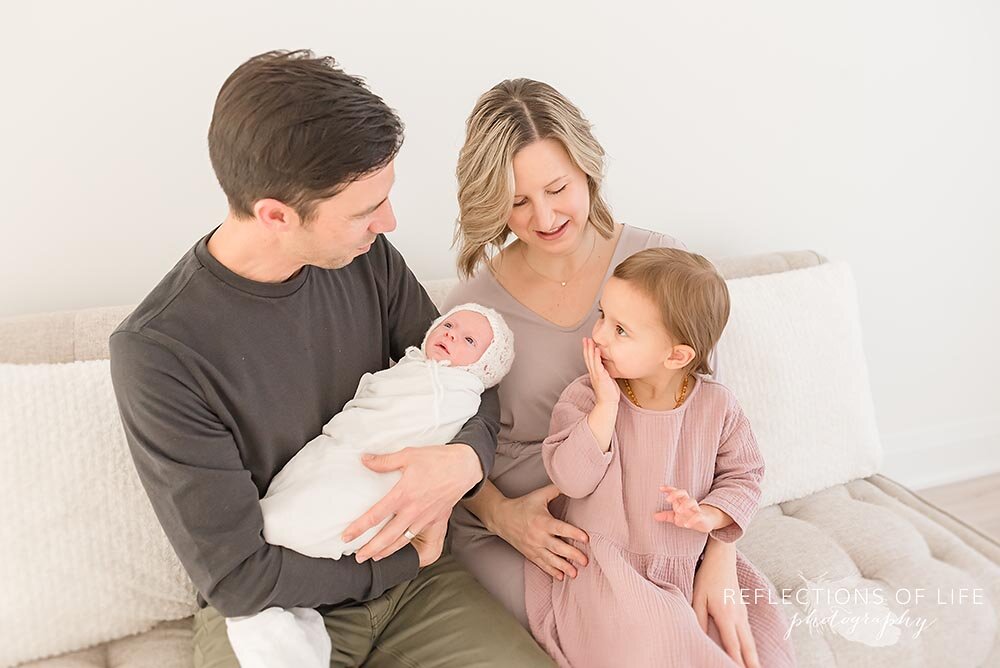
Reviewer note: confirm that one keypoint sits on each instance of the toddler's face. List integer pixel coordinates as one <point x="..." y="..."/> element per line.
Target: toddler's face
<point x="462" y="338"/>
<point x="629" y="332"/>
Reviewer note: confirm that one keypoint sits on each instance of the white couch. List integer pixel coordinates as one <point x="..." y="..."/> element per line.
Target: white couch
<point x="857" y="533"/>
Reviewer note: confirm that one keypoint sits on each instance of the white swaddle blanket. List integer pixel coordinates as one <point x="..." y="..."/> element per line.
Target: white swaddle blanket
<point x="325" y="487"/>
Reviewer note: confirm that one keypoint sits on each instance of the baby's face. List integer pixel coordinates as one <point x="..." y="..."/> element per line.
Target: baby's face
<point x="462" y="338"/>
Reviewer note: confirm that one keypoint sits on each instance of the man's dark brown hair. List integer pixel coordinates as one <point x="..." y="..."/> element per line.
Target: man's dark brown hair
<point x="296" y="128"/>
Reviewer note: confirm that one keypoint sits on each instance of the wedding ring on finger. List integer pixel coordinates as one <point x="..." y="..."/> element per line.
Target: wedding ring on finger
<point x="409" y="535"/>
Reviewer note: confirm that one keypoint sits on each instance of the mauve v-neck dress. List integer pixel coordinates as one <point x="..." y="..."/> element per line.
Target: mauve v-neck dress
<point x="548" y="359"/>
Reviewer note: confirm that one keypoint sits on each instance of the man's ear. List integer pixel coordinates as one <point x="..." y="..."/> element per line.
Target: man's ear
<point x="680" y="356"/>
<point x="275" y="215"/>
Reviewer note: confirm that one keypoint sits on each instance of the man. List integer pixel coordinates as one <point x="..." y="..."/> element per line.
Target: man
<point x="257" y="337"/>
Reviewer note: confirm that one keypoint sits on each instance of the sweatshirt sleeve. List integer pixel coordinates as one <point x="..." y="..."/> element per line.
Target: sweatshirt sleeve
<point x="571" y="455"/>
<point x="190" y="466"/>
<point x="739" y="469"/>
<point x="411" y="312"/>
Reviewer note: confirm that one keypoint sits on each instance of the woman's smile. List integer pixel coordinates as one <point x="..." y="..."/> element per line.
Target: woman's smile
<point x="553" y="234"/>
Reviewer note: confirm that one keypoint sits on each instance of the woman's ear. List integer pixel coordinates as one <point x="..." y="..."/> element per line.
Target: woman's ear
<point x="680" y="356"/>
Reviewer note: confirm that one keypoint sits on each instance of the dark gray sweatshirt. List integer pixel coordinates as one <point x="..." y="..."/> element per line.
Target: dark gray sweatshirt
<point x="220" y="380"/>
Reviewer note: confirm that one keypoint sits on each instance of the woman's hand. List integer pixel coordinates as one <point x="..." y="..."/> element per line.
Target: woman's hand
<point x="712" y="580"/>
<point x="526" y="523"/>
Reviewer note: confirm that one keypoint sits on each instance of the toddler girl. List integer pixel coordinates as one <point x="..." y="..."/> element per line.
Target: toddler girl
<point x="655" y="458"/>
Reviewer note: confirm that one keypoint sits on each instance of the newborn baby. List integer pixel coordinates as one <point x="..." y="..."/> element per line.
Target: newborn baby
<point x="424" y="399"/>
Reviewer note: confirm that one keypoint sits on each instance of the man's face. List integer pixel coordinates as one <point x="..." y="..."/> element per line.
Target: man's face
<point x="462" y="338"/>
<point x="345" y="226"/>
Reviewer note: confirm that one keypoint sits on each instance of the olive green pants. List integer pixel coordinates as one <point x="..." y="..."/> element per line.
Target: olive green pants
<point x="441" y="618"/>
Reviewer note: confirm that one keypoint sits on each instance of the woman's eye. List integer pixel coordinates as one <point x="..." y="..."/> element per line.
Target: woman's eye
<point x="521" y="203"/>
<point x="560" y="190"/>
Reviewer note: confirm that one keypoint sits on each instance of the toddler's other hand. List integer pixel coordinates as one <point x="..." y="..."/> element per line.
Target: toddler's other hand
<point x="685" y="512"/>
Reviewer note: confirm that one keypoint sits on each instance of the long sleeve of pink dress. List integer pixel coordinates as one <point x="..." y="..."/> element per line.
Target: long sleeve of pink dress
<point x="739" y="469"/>
<point x="631" y="605"/>
<point x="572" y="457"/>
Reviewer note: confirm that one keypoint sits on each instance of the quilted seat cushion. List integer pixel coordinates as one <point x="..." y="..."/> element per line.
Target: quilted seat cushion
<point x="871" y="547"/>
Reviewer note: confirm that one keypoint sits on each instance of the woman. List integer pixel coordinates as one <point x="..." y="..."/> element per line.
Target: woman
<point x="531" y="167"/>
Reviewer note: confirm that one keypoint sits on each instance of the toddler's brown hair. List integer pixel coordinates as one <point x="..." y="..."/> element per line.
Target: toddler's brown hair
<point x="691" y="294"/>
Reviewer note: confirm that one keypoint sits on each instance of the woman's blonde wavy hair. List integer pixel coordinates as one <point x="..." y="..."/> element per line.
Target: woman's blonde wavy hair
<point x="506" y="118"/>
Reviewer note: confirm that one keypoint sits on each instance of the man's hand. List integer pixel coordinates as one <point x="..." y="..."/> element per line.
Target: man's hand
<point x="435" y="478"/>
<point x="429" y="543"/>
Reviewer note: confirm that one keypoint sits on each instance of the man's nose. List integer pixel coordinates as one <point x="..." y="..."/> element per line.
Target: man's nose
<point x="385" y="221"/>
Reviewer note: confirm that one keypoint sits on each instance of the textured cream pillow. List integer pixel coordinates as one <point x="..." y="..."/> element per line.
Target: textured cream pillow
<point x="792" y="353"/>
<point x="83" y="559"/>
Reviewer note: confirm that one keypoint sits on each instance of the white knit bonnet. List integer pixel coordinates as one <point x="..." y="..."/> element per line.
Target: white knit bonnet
<point x="496" y="360"/>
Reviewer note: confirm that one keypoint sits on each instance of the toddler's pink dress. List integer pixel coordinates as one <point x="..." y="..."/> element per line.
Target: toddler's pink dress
<point x="631" y="605"/>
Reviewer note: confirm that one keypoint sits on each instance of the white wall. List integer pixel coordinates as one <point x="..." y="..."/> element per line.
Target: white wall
<point x="864" y="130"/>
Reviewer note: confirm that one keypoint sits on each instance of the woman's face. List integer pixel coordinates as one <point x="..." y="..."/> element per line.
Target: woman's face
<point x="551" y="198"/>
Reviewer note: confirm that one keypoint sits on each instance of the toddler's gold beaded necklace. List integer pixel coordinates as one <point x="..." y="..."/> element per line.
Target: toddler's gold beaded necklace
<point x="631" y="394"/>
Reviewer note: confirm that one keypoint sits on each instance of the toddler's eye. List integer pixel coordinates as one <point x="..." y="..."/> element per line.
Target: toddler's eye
<point x="470" y="341"/>
<point x="618" y="328"/>
<point x="447" y="325"/>
<point x="600" y="314"/>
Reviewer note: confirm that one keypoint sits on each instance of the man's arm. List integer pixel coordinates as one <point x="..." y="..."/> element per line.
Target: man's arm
<point x="410" y="313"/>
<point x="191" y="468"/>
<point x="480" y="433"/>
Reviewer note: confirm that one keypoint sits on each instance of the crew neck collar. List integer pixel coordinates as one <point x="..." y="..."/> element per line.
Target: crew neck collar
<point x="232" y="279"/>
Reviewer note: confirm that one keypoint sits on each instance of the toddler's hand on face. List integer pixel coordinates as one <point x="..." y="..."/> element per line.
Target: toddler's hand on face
<point x="686" y="512"/>
<point x="606" y="388"/>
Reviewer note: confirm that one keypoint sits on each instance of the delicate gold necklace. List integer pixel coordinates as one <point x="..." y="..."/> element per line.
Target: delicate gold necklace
<point x="631" y="394"/>
<point x="555" y="280"/>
